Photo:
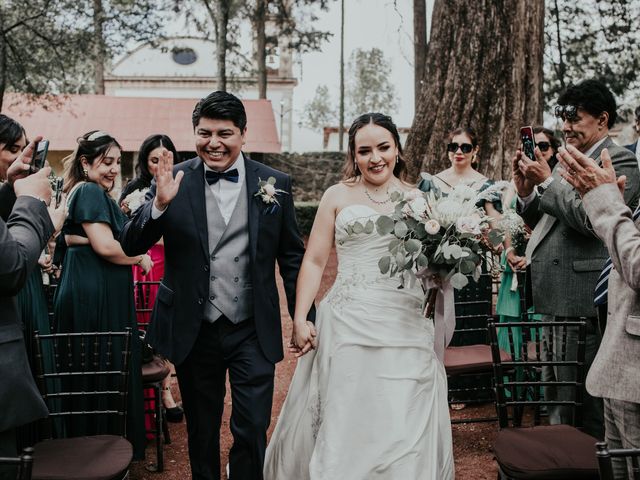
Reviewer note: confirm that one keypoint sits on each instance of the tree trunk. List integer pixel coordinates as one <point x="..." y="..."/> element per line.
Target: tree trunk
<point x="221" y="41"/>
<point x="99" y="50"/>
<point x="341" y="113"/>
<point x="261" y="47"/>
<point x="3" y="62"/>
<point x="419" y="47"/>
<point x="484" y="69"/>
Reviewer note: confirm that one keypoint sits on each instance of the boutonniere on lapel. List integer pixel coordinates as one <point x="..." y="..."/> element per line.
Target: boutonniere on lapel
<point x="267" y="192"/>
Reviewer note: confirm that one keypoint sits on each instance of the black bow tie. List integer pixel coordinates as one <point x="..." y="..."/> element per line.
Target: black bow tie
<point x="212" y="176"/>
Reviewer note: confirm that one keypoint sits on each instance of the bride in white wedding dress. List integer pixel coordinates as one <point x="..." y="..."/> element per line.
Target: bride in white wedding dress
<point x="369" y="400"/>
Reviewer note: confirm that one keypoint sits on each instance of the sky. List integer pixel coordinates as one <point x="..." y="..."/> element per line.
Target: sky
<point x="385" y="24"/>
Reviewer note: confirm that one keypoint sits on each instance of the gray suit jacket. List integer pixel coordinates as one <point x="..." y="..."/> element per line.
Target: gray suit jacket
<point x="22" y="238"/>
<point x="614" y="373"/>
<point x="567" y="257"/>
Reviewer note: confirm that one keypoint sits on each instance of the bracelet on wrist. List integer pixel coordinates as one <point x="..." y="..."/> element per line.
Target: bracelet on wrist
<point x="140" y="260"/>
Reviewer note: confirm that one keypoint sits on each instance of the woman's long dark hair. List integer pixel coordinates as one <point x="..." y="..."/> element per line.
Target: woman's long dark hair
<point x="10" y="131"/>
<point x="143" y="176"/>
<point x="350" y="171"/>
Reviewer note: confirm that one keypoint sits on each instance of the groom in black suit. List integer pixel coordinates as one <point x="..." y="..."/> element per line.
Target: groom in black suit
<point x="217" y="307"/>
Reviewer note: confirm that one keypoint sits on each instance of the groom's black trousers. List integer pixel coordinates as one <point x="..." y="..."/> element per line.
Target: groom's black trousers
<point x="223" y="346"/>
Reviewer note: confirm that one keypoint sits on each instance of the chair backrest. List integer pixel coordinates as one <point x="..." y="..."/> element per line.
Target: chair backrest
<point x="23" y="463"/>
<point x="86" y="386"/>
<point x="144" y="295"/>
<point x="517" y="382"/>
<point x="605" y="466"/>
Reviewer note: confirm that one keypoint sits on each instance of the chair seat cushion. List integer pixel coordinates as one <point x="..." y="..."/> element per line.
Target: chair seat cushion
<point x="552" y="452"/>
<point x="98" y="457"/>
<point x="155" y="370"/>
<point x="470" y="359"/>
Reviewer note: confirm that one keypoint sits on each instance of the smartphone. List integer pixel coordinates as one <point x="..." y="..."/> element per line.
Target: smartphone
<point x="39" y="156"/>
<point x="528" y="142"/>
<point x="58" y="190"/>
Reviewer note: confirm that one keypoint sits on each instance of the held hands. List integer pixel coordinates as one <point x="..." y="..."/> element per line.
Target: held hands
<point x="516" y="262"/>
<point x="146" y="264"/>
<point x="584" y="174"/>
<point x="303" y="338"/>
<point x="534" y="171"/>
<point x="166" y="186"/>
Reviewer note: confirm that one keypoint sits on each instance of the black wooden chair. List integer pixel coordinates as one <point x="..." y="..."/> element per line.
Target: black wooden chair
<point x="23" y="464"/>
<point x="153" y="373"/>
<point x="604" y="456"/>
<point x="540" y="451"/>
<point x="86" y="392"/>
<point x="467" y="360"/>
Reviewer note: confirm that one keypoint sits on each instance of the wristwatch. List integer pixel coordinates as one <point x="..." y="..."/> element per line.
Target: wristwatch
<point x="544" y="185"/>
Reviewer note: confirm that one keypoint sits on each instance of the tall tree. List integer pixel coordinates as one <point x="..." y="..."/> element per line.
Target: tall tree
<point x="495" y="86"/>
<point x="40" y="49"/>
<point x="419" y="46"/>
<point x="369" y="88"/>
<point x="341" y="102"/>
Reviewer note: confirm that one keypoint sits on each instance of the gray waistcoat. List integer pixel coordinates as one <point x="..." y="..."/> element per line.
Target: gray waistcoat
<point x="230" y="289"/>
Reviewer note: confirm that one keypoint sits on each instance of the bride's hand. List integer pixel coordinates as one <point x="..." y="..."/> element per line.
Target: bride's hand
<point x="303" y="338"/>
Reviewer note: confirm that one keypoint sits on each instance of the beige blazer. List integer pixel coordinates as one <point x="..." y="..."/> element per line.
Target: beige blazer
<point x="615" y="372"/>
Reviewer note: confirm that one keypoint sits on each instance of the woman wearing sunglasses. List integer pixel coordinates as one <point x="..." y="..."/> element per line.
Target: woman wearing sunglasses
<point x="548" y="144"/>
<point x="462" y="148"/>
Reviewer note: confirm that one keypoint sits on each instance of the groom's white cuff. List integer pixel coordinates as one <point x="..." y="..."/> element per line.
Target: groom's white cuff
<point x="155" y="211"/>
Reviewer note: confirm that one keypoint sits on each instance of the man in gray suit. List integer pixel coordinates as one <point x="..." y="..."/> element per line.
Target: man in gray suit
<point x="614" y="374"/>
<point x="22" y="238"/>
<point x="565" y="255"/>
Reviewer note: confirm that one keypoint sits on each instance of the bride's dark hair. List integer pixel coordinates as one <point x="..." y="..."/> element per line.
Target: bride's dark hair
<point x="350" y="171"/>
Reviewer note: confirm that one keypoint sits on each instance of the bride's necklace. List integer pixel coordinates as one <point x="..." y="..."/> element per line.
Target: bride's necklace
<point x="377" y="202"/>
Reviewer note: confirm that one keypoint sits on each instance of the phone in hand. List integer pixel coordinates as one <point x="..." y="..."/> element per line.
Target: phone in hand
<point x="39" y="156"/>
<point x="58" y="190"/>
<point x="528" y="142"/>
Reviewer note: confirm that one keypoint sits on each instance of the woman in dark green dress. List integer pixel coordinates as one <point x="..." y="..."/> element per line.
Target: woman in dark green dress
<point x="95" y="292"/>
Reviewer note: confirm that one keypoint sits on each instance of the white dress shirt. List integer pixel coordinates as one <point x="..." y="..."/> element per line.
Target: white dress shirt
<point x="225" y="192"/>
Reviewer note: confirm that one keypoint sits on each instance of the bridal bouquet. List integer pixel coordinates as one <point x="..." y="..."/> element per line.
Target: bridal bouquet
<point x="133" y="201"/>
<point x="512" y="224"/>
<point x="443" y="236"/>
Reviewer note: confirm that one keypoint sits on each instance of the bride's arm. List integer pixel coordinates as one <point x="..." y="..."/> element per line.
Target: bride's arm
<point x="311" y="269"/>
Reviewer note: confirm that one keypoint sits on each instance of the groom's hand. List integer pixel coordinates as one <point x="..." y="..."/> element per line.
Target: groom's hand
<point x="166" y="186"/>
<point x="303" y="338"/>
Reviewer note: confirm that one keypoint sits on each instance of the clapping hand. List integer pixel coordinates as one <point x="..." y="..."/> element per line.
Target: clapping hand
<point x="303" y="338"/>
<point x="166" y="185"/>
<point x="584" y="174"/>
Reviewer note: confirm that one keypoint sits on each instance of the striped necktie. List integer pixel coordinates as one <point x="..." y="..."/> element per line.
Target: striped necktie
<point x="602" y="286"/>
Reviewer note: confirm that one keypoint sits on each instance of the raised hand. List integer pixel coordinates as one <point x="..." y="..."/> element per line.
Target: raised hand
<point x="58" y="213"/>
<point x="584" y="174"/>
<point x="535" y="171"/>
<point x="524" y="186"/>
<point x="166" y="186"/>
<point x="20" y="166"/>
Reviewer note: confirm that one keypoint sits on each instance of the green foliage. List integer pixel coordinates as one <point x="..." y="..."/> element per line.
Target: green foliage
<point x="319" y="112"/>
<point x="592" y="39"/>
<point x="306" y="214"/>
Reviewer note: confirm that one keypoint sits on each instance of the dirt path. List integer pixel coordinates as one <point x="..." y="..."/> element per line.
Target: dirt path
<point x="471" y="442"/>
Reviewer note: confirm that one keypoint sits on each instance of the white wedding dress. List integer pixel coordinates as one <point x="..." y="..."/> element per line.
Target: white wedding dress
<point x="371" y="401"/>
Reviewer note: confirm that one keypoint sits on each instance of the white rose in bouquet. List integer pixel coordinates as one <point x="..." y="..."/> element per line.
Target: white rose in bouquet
<point x="432" y="227"/>
<point x="135" y="200"/>
<point x="416" y="208"/>
<point x="470" y="224"/>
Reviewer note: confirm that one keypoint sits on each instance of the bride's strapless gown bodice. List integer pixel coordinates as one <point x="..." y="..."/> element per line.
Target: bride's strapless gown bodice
<point x="371" y="401"/>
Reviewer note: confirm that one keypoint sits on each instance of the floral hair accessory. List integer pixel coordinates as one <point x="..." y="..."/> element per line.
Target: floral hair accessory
<point x="96" y="135"/>
<point x="268" y="192"/>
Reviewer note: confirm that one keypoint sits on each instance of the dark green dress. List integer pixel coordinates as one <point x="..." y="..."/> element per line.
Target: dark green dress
<point x="97" y="295"/>
<point x="32" y="305"/>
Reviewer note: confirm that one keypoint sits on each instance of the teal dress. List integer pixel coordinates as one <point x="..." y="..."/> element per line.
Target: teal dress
<point x="97" y="295"/>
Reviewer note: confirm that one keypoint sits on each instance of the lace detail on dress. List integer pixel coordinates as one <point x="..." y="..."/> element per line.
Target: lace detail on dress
<point x="316" y="418"/>
<point x="346" y="283"/>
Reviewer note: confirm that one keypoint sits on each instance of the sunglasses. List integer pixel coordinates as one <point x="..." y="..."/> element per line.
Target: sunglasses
<point x="543" y="146"/>
<point x="465" y="147"/>
<point x="566" y="112"/>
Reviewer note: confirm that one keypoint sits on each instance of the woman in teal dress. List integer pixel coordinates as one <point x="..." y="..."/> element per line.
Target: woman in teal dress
<point x="95" y="292"/>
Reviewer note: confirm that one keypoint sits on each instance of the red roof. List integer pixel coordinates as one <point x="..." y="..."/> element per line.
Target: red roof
<point x="131" y="119"/>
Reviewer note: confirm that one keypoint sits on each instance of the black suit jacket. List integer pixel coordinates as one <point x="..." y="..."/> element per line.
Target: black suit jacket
<point x="22" y="238"/>
<point x="179" y="309"/>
